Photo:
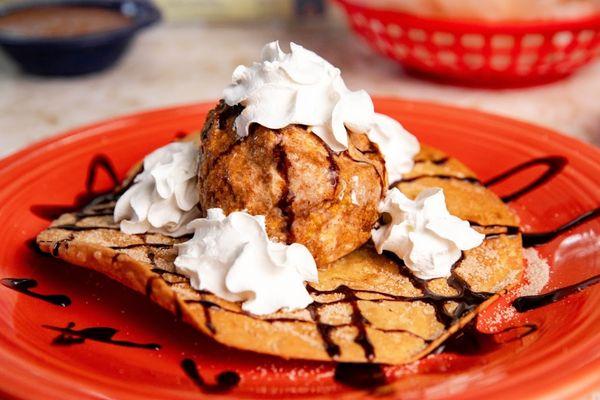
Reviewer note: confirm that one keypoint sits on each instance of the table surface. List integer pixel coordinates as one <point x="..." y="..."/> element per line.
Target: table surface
<point x="181" y="63"/>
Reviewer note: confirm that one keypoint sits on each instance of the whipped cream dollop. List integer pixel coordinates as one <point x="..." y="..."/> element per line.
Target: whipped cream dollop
<point x="232" y="257"/>
<point x="163" y="197"/>
<point x="300" y="87"/>
<point x="397" y="146"/>
<point x="423" y="233"/>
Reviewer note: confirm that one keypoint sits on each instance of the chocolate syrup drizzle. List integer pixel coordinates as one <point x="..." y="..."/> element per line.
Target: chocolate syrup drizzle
<point x="160" y="272"/>
<point x="526" y="303"/>
<point x="554" y="164"/>
<point x="80" y="228"/>
<point x="469" y="179"/>
<point x="360" y="376"/>
<point x="470" y="341"/>
<point x="33" y="246"/>
<point x="227" y="113"/>
<point x="225" y="381"/>
<point x="98" y="162"/>
<point x="436" y="161"/>
<point x="69" y="336"/>
<point x="356" y="319"/>
<point x="466" y="300"/>
<point x="287" y="197"/>
<point x="539" y="238"/>
<point x="334" y="169"/>
<point x="24" y="285"/>
<point x="467" y="341"/>
<point x="440" y="161"/>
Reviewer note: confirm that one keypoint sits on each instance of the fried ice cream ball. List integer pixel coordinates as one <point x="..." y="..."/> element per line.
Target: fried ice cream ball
<point x="308" y="194"/>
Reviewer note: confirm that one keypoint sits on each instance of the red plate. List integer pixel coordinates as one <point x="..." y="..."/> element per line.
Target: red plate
<point x="560" y="360"/>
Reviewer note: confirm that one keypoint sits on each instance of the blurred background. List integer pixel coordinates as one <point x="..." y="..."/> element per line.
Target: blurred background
<point x="189" y="55"/>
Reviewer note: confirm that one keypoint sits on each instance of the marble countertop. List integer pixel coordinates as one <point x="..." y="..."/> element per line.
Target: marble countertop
<point x="174" y="64"/>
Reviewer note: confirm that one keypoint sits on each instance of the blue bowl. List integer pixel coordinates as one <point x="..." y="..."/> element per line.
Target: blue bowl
<point x="77" y="55"/>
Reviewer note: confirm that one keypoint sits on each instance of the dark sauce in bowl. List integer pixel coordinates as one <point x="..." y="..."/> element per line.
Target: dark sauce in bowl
<point x="71" y="37"/>
<point x="59" y="21"/>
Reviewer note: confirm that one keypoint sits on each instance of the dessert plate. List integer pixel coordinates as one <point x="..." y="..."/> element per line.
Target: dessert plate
<point x="96" y="339"/>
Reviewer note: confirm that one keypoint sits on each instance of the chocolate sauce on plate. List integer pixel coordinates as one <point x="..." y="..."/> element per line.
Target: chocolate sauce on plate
<point x="225" y="381"/>
<point x="99" y="162"/>
<point x="467" y="341"/>
<point x="470" y="341"/>
<point x="69" y="336"/>
<point x="360" y="376"/>
<point x="33" y="246"/>
<point x="554" y="164"/>
<point x="526" y="303"/>
<point x="24" y="285"/>
<point x="539" y="238"/>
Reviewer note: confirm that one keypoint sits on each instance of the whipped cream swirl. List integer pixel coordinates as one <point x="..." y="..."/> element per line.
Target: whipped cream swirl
<point x="300" y="87"/>
<point x="423" y="233"/>
<point x="397" y="146"/>
<point x="232" y="257"/>
<point x="163" y="196"/>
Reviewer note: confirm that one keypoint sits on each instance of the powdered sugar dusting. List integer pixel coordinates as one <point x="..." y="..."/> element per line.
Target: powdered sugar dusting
<point x="537" y="273"/>
<point x="501" y="316"/>
<point x="536" y="276"/>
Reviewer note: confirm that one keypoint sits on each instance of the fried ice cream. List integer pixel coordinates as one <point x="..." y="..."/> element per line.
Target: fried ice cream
<point x="309" y="194"/>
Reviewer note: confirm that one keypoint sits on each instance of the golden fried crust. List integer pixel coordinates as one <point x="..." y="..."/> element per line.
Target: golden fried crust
<point x="309" y="195"/>
<point x="367" y="306"/>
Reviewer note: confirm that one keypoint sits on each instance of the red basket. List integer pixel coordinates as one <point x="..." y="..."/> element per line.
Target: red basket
<point x="479" y="52"/>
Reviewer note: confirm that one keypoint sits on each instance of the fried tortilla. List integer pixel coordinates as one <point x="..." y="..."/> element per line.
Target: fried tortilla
<point x="367" y="308"/>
